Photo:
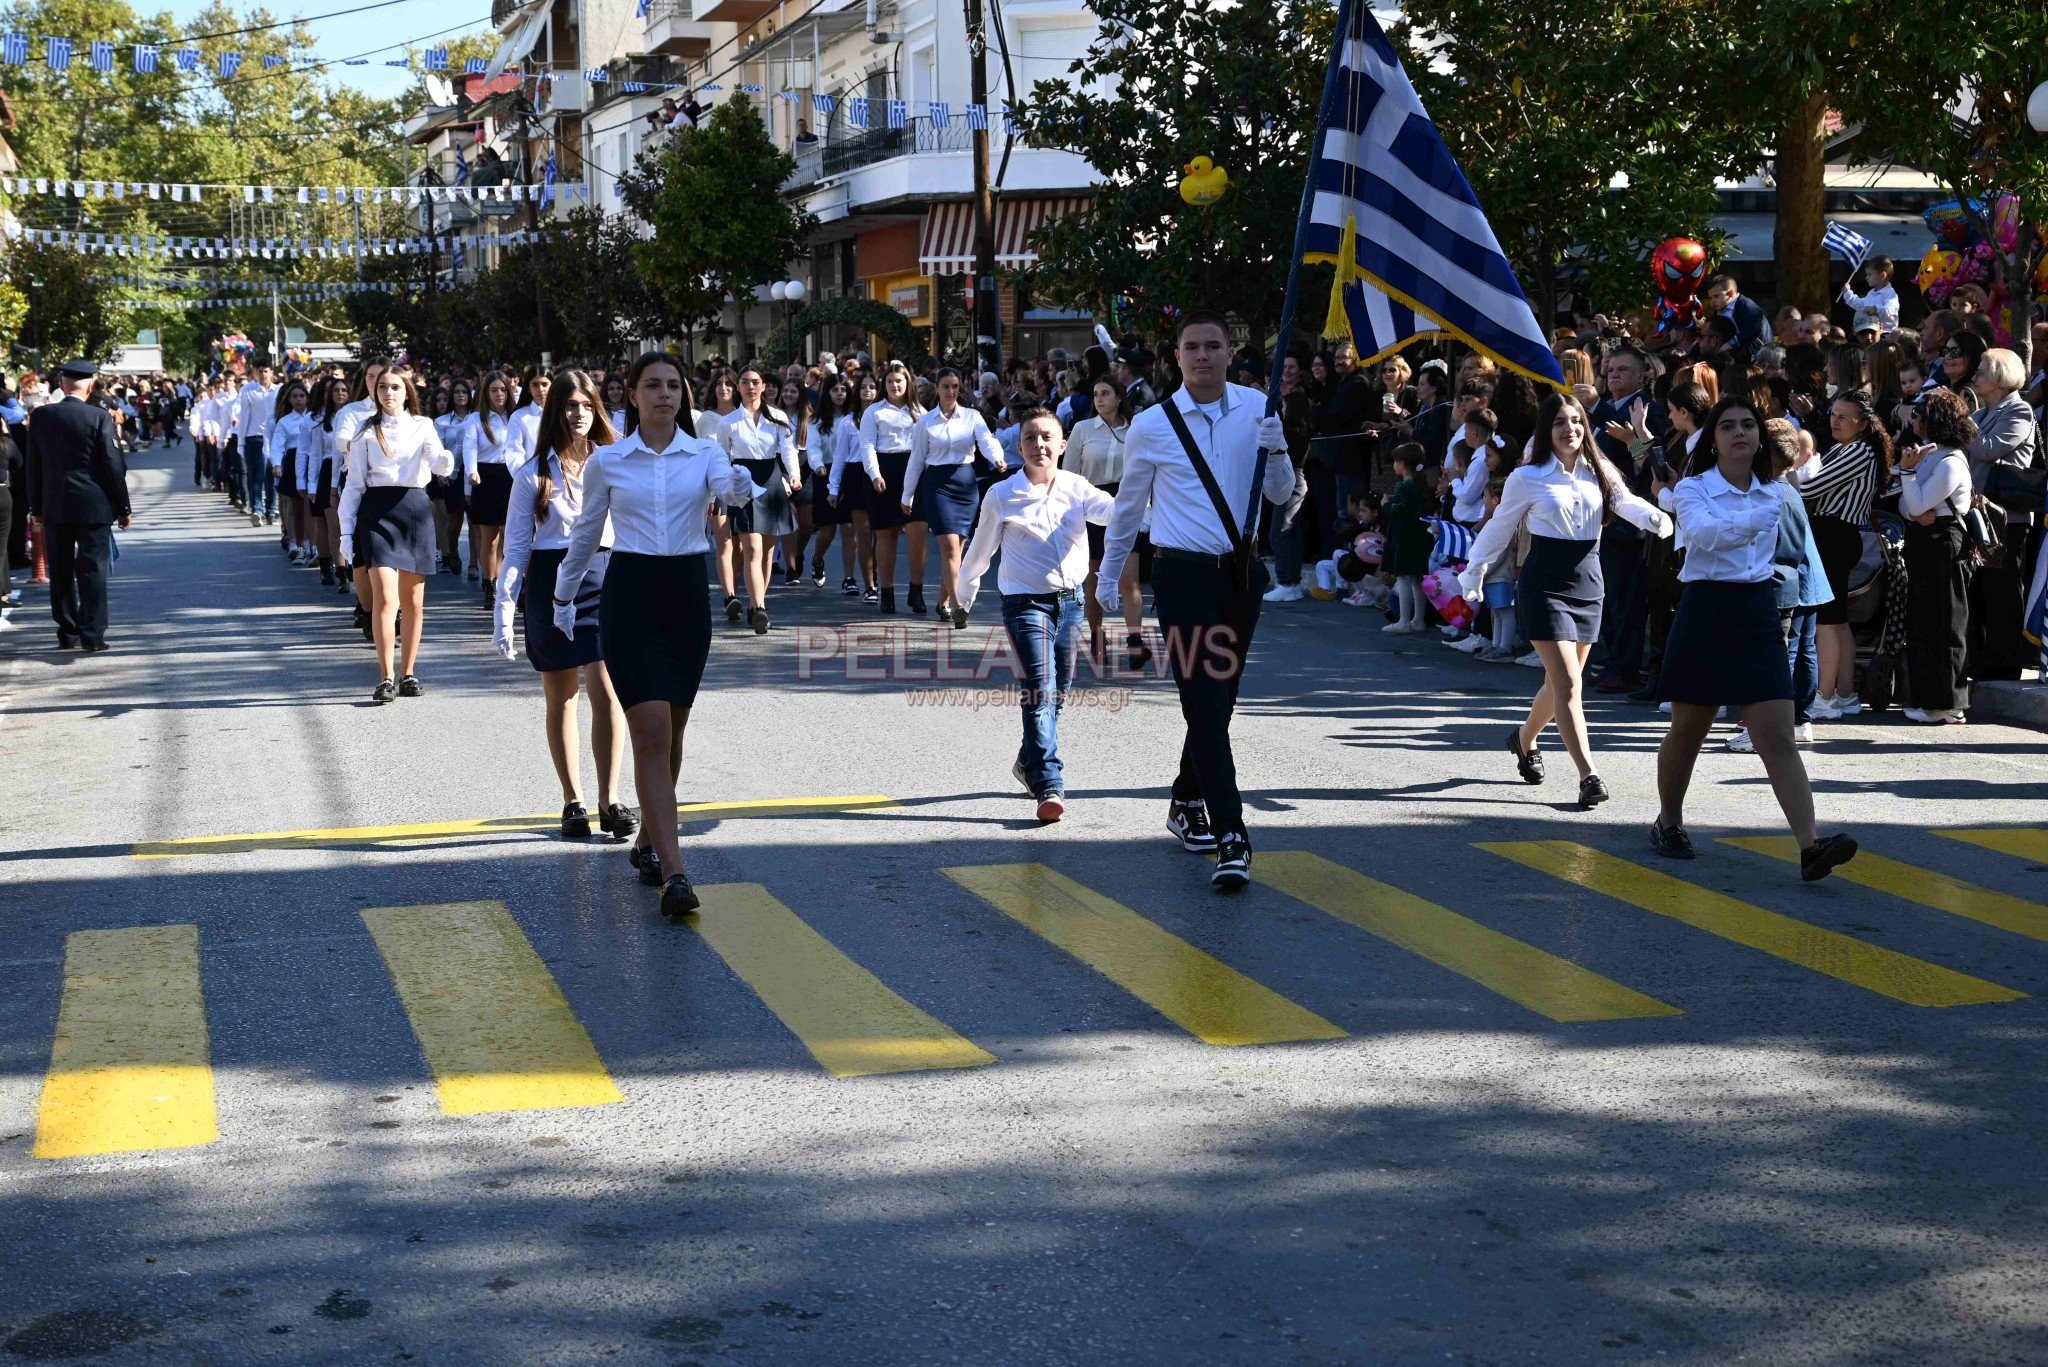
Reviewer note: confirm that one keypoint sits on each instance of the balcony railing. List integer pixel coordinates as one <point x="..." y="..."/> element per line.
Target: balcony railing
<point x="846" y="149"/>
<point x="666" y="9"/>
<point x="652" y="70"/>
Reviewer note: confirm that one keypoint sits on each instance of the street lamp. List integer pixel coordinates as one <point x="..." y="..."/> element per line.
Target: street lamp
<point x="790" y="292"/>
<point x="2037" y="108"/>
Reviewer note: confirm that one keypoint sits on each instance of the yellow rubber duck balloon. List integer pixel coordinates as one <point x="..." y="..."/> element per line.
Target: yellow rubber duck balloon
<point x="1203" y="182"/>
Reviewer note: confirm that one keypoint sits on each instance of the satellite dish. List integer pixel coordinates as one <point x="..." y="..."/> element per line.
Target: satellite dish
<point x="439" y="92"/>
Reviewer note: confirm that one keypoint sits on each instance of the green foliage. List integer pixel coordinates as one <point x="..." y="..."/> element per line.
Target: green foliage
<point x="1159" y="86"/>
<point x="13" y="312"/>
<point x="1580" y="125"/>
<point x="67" y="312"/>
<point x="905" y="343"/>
<point x="721" y="226"/>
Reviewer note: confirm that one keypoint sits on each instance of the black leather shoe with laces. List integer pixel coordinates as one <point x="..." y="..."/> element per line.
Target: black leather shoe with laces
<point x="1671" y="841"/>
<point x="1825" y="855"/>
<point x="411" y="687"/>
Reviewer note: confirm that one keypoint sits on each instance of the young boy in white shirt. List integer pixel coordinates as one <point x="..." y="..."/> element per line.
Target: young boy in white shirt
<point x="1882" y="300"/>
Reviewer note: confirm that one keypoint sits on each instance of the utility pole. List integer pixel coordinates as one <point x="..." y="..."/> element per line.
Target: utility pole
<point x="987" y="324"/>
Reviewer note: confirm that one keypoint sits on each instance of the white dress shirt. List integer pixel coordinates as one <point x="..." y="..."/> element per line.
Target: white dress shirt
<point x="1731" y="534"/>
<point x="766" y="436"/>
<point x="526" y="427"/>
<point x="940" y="438"/>
<point x="287" y="435"/>
<point x="450" y="425"/>
<point x="416" y="456"/>
<point x="1938" y="483"/>
<point x="819" y="445"/>
<point x="523" y="536"/>
<point x="1469" y="488"/>
<point x="348" y="421"/>
<point x="254" y="408"/>
<point x="1554" y="502"/>
<point x="498" y="446"/>
<point x="649" y="502"/>
<point x="849" y="449"/>
<point x="1159" y="476"/>
<point x="885" y="428"/>
<point x="316" y="444"/>
<point x="1042" y="531"/>
<point x="1095" y="451"/>
<point x="207" y="418"/>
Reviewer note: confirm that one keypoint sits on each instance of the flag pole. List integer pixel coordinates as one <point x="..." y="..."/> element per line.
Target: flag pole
<point x="1308" y="199"/>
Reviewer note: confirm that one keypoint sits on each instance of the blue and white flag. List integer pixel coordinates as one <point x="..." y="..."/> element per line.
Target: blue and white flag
<point x="100" y="56"/>
<point x="1851" y="246"/>
<point x="547" y="182"/>
<point x="188" y="58"/>
<point x="857" y="110"/>
<point x="977" y="118"/>
<point x="823" y="105"/>
<point x="145" y="58"/>
<point x="597" y="75"/>
<point x="896" y="112"/>
<point x="477" y="66"/>
<point x="437" y="59"/>
<point x="1453" y="542"/>
<point x="275" y="59"/>
<point x="640" y="10"/>
<point x="57" y="54"/>
<point x="1396" y="215"/>
<point x="749" y="88"/>
<point x="14" y="49"/>
<point x="941" y="114"/>
<point x="230" y="63"/>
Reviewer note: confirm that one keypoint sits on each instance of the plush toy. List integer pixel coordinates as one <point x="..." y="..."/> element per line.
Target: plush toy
<point x="1203" y="182"/>
<point x="1938" y="275"/>
<point x="1441" y="588"/>
<point x="1678" y="267"/>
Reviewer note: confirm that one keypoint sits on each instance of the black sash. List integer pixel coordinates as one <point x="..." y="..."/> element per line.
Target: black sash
<point x="1244" y="541"/>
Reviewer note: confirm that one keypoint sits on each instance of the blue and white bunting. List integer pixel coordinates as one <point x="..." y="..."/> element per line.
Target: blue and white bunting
<point x="145" y="59"/>
<point x="188" y="58"/>
<point x="57" y="54"/>
<point x="100" y="56"/>
<point x="857" y="111"/>
<point x="822" y="105"/>
<point x="977" y="118"/>
<point x="230" y="63"/>
<point x="1396" y="215"/>
<point x="437" y="59"/>
<point x="897" y="113"/>
<point x="476" y="66"/>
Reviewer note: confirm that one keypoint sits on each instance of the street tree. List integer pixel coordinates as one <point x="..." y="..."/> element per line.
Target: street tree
<point x="722" y="229"/>
<point x="1159" y="86"/>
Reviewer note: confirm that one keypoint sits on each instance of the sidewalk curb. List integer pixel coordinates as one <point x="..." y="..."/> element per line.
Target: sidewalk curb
<point x="2021" y="704"/>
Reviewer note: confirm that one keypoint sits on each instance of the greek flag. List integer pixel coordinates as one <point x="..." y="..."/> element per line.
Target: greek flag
<point x="14" y="49"/>
<point x="1396" y="216"/>
<point x="188" y="59"/>
<point x="477" y="66"/>
<point x="977" y="118"/>
<point x="640" y="10"/>
<point x="941" y="114"/>
<point x="896" y="112"/>
<point x="145" y="58"/>
<point x="857" y="110"/>
<point x="823" y="105"/>
<point x="437" y="59"/>
<point x="101" y="56"/>
<point x="1453" y="542"/>
<point x="57" y="54"/>
<point x="1851" y="246"/>
<point x="274" y="60"/>
<point x="230" y="63"/>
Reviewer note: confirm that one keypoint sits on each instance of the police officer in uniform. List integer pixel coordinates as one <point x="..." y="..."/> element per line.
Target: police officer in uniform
<point x="77" y="492"/>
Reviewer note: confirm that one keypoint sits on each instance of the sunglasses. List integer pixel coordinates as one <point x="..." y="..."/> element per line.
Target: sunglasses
<point x="1952" y="350"/>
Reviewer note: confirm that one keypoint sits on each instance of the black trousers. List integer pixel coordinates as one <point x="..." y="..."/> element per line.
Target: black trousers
<point x="81" y="558"/>
<point x="1937" y="613"/>
<point x="16" y="529"/>
<point x="1208" y="628"/>
<point x="1998" y="611"/>
<point x="1625" y="614"/>
<point x="6" y="522"/>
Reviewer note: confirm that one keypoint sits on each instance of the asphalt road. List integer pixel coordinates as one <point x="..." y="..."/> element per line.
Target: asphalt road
<point x="1467" y="1076"/>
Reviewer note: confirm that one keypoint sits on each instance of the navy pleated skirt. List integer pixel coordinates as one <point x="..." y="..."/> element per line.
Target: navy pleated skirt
<point x="1559" y="592"/>
<point x="1726" y="647"/>
<point x="823" y="514"/>
<point x="547" y="649"/>
<point x="885" y="510"/>
<point x="946" y="499"/>
<point x="395" y="530"/>
<point x="771" y="513"/>
<point x="654" y="623"/>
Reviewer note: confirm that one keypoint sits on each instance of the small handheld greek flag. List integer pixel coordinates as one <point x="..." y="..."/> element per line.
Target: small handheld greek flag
<point x="1846" y="243"/>
<point x="1453" y="542"/>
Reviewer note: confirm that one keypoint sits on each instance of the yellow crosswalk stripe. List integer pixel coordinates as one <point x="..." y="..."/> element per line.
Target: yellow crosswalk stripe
<point x="1884" y="971"/>
<point x="846" y="1016"/>
<point x="1204" y="996"/>
<point x="497" y="1033"/>
<point x="351" y="836"/>
<point x="130" y="1067"/>
<point x="1546" y="984"/>
<point x="2024" y="843"/>
<point x="1916" y="884"/>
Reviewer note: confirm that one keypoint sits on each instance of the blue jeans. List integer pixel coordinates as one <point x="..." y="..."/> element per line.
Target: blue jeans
<point x="1045" y="631"/>
<point x="1802" y="650"/>
<point x="260" y="482"/>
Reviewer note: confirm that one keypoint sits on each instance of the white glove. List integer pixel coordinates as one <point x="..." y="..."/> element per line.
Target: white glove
<point x="565" y="619"/>
<point x="1272" y="436"/>
<point x="1106" y="594"/>
<point x="501" y="630"/>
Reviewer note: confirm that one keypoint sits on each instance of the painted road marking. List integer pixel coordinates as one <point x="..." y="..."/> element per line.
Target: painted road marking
<point x="1915" y="884"/>
<point x="1204" y="996"/>
<point x="1884" y="971"/>
<point x="130" y="1066"/>
<point x="2026" y="843"/>
<point x="1543" y="982"/>
<point x="347" y="837"/>
<point x="846" y="1016"/>
<point x="497" y="1032"/>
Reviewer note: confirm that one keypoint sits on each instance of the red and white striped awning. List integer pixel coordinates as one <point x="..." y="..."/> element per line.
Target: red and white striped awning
<point x="948" y="245"/>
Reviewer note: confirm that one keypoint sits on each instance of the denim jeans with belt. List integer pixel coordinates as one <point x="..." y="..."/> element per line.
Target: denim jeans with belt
<point x="1045" y="632"/>
<point x="262" y="484"/>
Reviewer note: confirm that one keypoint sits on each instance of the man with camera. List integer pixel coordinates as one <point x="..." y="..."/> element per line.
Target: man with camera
<point x="1201" y="461"/>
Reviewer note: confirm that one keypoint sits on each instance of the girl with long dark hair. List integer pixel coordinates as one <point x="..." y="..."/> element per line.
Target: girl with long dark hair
<point x="287" y="435"/>
<point x="321" y="461"/>
<point x="1727" y="643"/>
<point x="856" y="480"/>
<point x="795" y="406"/>
<point x="938" y="484"/>
<point x="491" y="452"/>
<point x="547" y="497"/>
<point x="1935" y="489"/>
<point x="760" y="438"/>
<point x="1096" y="453"/>
<point x="826" y="428"/>
<point x="1564" y="495"/>
<point x="723" y="400"/>
<point x="653" y="488"/>
<point x="886" y="429"/>
<point x="454" y="492"/>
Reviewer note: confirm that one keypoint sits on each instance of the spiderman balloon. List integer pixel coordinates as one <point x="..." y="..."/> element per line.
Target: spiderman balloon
<point x="1679" y="267"/>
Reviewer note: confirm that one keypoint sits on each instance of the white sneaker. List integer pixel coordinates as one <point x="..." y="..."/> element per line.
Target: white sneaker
<point x="1470" y="645"/>
<point x="1456" y="633"/>
<point x="1741" y="744"/>
<point x="1665" y="708"/>
<point x="1802" y="734"/>
<point x="1926" y="718"/>
<point x="1395" y="629"/>
<point x="1285" y="593"/>
<point x="6" y="625"/>
<point x="1827" y="709"/>
<point x="1848" y="705"/>
<point x="1532" y="660"/>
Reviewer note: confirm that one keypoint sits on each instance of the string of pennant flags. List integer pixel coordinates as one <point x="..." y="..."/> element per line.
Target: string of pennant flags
<point x="293" y="294"/>
<point x="239" y="282"/>
<point x="189" y="193"/>
<point x="265" y="248"/>
<point x="58" y="54"/>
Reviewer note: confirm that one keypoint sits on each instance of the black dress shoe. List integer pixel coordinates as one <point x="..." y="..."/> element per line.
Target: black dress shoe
<point x="1825" y="855"/>
<point x="650" y="867"/>
<point x="1671" y="841"/>
<point x="384" y="692"/>
<point x="92" y="647"/>
<point x="1141" y="654"/>
<point x="678" y="898"/>
<point x="619" y="821"/>
<point x="915" y="598"/>
<point x="575" y="822"/>
<point x="1528" y="763"/>
<point x="67" y="643"/>
<point x="733" y="608"/>
<point x="1592" y="792"/>
<point x="888" y="607"/>
<point x="959" y="617"/>
<point x="411" y="687"/>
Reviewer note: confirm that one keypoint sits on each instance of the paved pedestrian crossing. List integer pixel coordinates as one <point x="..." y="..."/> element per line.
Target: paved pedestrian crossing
<point x="131" y="1065"/>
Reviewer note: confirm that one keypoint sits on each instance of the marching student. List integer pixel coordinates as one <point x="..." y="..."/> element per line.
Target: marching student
<point x="794" y="401"/>
<point x="725" y="401"/>
<point x="655" y="485"/>
<point x="348" y="424"/>
<point x="829" y="426"/>
<point x="1096" y="452"/>
<point x="387" y="524"/>
<point x="1191" y="459"/>
<point x="205" y="449"/>
<point x="853" y="492"/>
<point x="526" y="422"/>
<point x="1040" y="521"/>
<point x="253" y="410"/>
<point x="885" y="436"/>
<point x="1564" y="494"/>
<point x="319" y="463"/>
<point x="1727" y="644"/>
<point x="938" y="484"/>
<point x="492" y="447"/>
<point x="288" y="432"/>
<point x="547" y="495"/>
<point x="454" y="493"/>
<point x="759" y="437"/>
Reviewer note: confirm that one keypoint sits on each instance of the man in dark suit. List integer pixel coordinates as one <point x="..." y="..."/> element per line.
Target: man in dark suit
<point x="77" y="492"/>
<point x="1752" y="326"/>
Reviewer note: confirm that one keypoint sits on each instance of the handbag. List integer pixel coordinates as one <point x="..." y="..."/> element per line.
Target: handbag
<point x="1246" y="569"/>
<point x="1983" y="542"/>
